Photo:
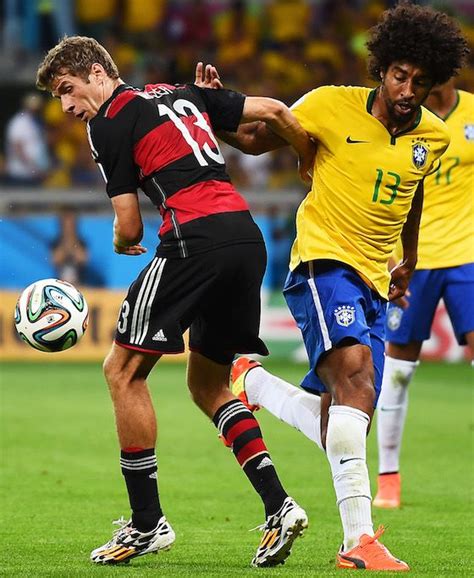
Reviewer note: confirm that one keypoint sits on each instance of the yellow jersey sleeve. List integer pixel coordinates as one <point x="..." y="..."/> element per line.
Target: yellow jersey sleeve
<point x="312" y="110"/>
<point x="364" y="180"/>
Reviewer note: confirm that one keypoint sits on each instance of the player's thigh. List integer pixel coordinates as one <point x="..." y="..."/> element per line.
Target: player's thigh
<point x="459" y="299"/>
<point x="330" y="304"/>
<point x="161" y="304"/>
<point x="414" y="323"/>
<point x="229" y="315"/>
<point x="377" y="339"/>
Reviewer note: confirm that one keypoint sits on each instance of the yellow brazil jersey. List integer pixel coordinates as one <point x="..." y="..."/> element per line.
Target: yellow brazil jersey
<point x="364" y="180"/>
<point x="447" y="223"/>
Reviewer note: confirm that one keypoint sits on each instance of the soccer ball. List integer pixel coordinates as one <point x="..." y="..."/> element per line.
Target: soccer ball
<point x="51" y="315"/>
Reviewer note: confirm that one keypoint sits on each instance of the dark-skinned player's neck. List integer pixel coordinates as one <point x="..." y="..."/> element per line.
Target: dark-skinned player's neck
<point x="381" y="112"/>
<point x="442" y="99"/>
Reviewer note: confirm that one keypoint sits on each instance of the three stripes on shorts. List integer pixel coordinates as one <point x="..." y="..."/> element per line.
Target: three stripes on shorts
<point x="142" y="309"/>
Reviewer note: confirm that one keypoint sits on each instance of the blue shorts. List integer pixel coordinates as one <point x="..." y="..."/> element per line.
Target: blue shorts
<point x="330" y="303"/>
<point x="455" y="285"/>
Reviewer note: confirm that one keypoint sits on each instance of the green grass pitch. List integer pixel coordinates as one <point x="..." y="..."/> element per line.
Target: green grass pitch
<point x="61" y="483"/>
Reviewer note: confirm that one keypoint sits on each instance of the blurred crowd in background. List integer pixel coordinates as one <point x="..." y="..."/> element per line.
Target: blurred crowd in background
<point x="279" y="48"/>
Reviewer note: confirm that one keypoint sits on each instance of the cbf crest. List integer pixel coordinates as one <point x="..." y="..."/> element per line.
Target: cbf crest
<point x="419" y="154"/>
<point x="469" y="132"/>
<point x="345" y="315"/>
<point x="394" y="318"/>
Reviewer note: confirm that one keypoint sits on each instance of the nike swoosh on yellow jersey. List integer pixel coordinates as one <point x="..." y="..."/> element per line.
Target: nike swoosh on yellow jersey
<point x="350" y="141"/>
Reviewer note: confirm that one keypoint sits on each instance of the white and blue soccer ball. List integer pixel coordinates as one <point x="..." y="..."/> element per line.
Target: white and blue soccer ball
<point x="51" y="315"/>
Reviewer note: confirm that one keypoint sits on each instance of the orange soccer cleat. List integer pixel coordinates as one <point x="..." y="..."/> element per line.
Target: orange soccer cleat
<point x="370" y="554"/>
<point x="240" y="368"/>
<point x="389" y="491"/>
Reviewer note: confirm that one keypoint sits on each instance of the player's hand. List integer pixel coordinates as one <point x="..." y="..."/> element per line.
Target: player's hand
<point x="400" y="278"/>
<point x="207" y="76"/>
<point x="402" y="302"/>
<point x="131" y="250"/>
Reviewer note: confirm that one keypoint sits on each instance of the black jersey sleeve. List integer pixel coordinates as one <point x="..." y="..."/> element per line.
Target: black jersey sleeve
<point x="224" y="107"/>
<point x="111" y="141"/>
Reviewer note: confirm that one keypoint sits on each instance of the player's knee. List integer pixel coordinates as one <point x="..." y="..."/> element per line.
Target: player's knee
<point x="355" y="386"/>
<point x="107" y="367"/>
<point x="356" y="391"/>
<point x="113" y="372"/>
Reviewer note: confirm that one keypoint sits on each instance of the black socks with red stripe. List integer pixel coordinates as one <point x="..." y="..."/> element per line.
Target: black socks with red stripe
<point x="139" y="468"/>
<point x="241" y="430"/>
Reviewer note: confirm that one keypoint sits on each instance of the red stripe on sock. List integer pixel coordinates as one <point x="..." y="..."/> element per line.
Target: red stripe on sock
<point x="239" y="428"/>
<point x="132" y="450"/>
<point x="251" y="449"/>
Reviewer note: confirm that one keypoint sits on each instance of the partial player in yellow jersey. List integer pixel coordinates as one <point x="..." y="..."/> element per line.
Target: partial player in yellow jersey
<point x="374" y="149"/>
<point x="445" y="269"/>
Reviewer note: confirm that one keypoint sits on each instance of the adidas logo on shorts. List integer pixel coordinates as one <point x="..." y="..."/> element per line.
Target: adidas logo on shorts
<point x="159" y="336"/>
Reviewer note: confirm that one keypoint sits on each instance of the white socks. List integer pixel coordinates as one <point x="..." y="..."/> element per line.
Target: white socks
<point x="294" y="406"/>
<point x="392" y="408"/>
<point x="345" y="444"/>
<point x="346" y="452"/>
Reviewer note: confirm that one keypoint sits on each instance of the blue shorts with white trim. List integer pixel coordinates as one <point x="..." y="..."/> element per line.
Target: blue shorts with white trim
<point x="331" y="303"/>
<point x="455" y="285"/>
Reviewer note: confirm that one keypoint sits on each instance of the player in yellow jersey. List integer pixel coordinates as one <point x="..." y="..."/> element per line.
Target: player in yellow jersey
<point x="445" y="269"/>
<point x="374" y="149"/>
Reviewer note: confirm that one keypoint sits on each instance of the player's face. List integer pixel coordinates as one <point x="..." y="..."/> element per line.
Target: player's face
<point x="79" y="97"/>
<point x="405" y="88"/>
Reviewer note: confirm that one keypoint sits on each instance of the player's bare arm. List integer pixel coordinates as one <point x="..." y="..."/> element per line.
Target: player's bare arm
<point x="258" y="137"/>
<point x="128" y="225"/>
<point x="401" y="274"/>
<point x="278" y="117"/>
<point x="253" y="138"/>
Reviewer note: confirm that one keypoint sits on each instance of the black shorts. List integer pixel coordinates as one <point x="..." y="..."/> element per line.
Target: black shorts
<point x="216" y="294"/>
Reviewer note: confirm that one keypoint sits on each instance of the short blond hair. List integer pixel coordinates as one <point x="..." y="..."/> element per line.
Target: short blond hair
<point x="74" y="55"/>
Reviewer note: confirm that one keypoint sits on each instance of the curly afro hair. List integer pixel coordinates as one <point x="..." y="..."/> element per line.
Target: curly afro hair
<point x="418" y="35"/>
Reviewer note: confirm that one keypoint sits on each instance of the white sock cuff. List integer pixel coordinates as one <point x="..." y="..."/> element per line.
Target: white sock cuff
<point x="348" y="410"/>
<point x="401" y="363"/>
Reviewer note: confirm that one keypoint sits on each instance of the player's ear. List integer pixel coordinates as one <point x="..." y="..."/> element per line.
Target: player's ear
<point x="98" y="72"/>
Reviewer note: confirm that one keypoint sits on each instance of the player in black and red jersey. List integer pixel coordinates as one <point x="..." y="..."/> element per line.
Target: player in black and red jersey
<point x="206" y="274"/>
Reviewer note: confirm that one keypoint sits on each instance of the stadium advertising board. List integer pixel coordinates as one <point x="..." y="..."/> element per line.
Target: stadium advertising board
<point x="278" y="330"/>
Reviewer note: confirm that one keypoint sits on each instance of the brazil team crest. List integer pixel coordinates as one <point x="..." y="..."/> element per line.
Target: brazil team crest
<point x="419" y="155"/>
<point x="469" y="131"/>
<point x="394" y="318"/>
<point x="345" y="315"/>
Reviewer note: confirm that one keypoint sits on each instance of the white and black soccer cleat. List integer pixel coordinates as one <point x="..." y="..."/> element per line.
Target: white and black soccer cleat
<point x="127" y="542"/>
<point x="279" y="532"/>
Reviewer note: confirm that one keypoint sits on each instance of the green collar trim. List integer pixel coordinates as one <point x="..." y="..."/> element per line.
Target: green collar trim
<point x="456" y="104"/>
<point x="393" y="137"/>
<point x="370" y="100"/>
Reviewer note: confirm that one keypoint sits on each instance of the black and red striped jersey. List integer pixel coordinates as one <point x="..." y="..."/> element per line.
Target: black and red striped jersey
<point x="161" y="139"/>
